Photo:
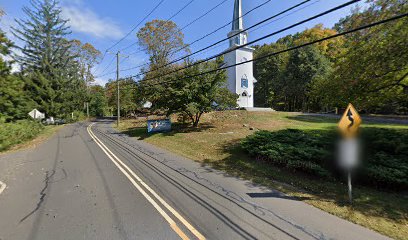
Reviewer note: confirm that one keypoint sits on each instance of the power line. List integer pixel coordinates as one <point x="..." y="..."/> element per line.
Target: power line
<point x="209" y="34"/>
<point x="223" y="26"/>
<point x="252" y="42"/>
<point x="179" y="11"/>
<point x="120" y="40"/>
<point x="106" y="74"/>
<point x="287" y="10"/>
<point x="137" y="25"/>
<point x="293" y="48"/>
<point x="170" y="18"/>
<point x="107" y="66"/>
<point x="99" y="64"/>
<point x="224" y="39"/>
<point x="203" y="15"/>
<point x="284" y="16"/>
<point x="111" y="72"/>
<point x="190" y="23"/>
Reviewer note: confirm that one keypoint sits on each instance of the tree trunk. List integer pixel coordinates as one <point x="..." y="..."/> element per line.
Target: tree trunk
<point x="196" y="120"/>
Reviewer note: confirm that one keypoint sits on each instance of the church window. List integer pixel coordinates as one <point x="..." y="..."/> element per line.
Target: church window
<point x="244" y="39"/>
<point x="244" y="82"/>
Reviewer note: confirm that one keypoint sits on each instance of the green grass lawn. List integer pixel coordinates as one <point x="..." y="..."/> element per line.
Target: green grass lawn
<point x="216" y="142"/>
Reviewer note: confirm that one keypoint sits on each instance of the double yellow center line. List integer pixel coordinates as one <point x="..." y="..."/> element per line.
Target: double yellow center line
<point x="143" y="188"/>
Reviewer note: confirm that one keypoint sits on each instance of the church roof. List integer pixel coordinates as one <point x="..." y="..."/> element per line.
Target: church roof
<point x="237" y="18"/>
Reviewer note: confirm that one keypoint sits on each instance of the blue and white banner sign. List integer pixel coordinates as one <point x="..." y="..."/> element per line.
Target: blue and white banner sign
<point x="158" y="125"/>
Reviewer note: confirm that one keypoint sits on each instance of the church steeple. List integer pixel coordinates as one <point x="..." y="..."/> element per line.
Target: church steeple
<point x="237" y="16"/>
<point x="240" y="76"/>
<point x="237" y="26"/>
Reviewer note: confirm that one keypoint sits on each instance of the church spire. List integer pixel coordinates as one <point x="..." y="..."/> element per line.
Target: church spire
<point x="237" y="35"/>
<point x="237" y="18"/>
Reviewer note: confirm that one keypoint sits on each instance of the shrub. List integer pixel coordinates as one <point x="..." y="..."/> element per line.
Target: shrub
<point x="77" y="116"/>
<point x="17" y="132"/>
<point x="385" y="163"/>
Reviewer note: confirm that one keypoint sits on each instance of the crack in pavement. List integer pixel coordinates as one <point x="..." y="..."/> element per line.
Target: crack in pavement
<point x="42" y="193"/>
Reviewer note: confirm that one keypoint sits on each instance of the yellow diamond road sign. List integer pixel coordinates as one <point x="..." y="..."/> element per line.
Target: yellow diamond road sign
<point x="350" y="122"/>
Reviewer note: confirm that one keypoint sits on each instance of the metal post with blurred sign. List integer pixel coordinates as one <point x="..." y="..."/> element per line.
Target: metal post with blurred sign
<point x="349" y="146"/>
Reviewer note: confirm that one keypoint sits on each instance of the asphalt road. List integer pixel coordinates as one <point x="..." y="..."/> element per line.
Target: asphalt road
<point x="89" y="182"/>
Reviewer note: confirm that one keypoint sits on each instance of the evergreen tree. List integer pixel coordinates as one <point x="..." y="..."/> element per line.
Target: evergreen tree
<point x="5" y="46"/>
<point x="49" y="63"/>
<point x="44" y="34"/>
<point x="14" y="104"/>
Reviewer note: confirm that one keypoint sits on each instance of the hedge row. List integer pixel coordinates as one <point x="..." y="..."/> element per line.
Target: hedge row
<point x="17" y="132"/>
<point x="385" y="158"/>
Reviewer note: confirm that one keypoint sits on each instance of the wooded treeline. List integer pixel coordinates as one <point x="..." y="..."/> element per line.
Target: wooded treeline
<point x="368" y="68"/>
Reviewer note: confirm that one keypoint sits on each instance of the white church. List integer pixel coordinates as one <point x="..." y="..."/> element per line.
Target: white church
<point x="240" y="78"/>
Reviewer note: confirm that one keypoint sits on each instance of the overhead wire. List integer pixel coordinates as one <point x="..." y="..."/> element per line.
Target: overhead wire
<point x="251" y="42"/>
<point x="273" y="21"/>
<point x="207" y="35"/>
<point x="223" y="26"/>
<point x="290" y="49"/>
<point x="107" y="66"/>
<point x="203" y="15"/>
<point x="123" y="38"/>
<point x="284" y="16"/>
<point x="137" y="25"/>
<point x="170" y="18"/>
<point x="135" y="52"/>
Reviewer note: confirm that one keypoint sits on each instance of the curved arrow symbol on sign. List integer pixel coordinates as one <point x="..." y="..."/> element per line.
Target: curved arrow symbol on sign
<point x="350" y="118"/>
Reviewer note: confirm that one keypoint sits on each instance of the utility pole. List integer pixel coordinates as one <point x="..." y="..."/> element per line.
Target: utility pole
<point x="87" y="95"/>
<point x="117" y="81"/>
<point x="117" y="85"/>
<point x="87" y="110"/>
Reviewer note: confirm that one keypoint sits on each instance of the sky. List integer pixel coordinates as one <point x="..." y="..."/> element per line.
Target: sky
<point x="103" y="23"/>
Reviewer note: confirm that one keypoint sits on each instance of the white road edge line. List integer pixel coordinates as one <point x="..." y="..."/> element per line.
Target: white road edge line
<point x="2" y="186"/>
<point x="158" y="208"/>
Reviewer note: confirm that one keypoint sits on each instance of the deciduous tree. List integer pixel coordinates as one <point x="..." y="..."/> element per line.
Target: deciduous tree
<point x="373" y="72"/>
<point x="192" y="95"/>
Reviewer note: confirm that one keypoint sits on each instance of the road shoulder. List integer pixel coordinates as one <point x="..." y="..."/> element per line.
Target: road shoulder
<point x="46" y="134"/>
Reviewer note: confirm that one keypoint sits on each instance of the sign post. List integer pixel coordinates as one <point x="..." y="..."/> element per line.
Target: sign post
<point x="350" y="190"/>
<point x="349" y="146"/>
